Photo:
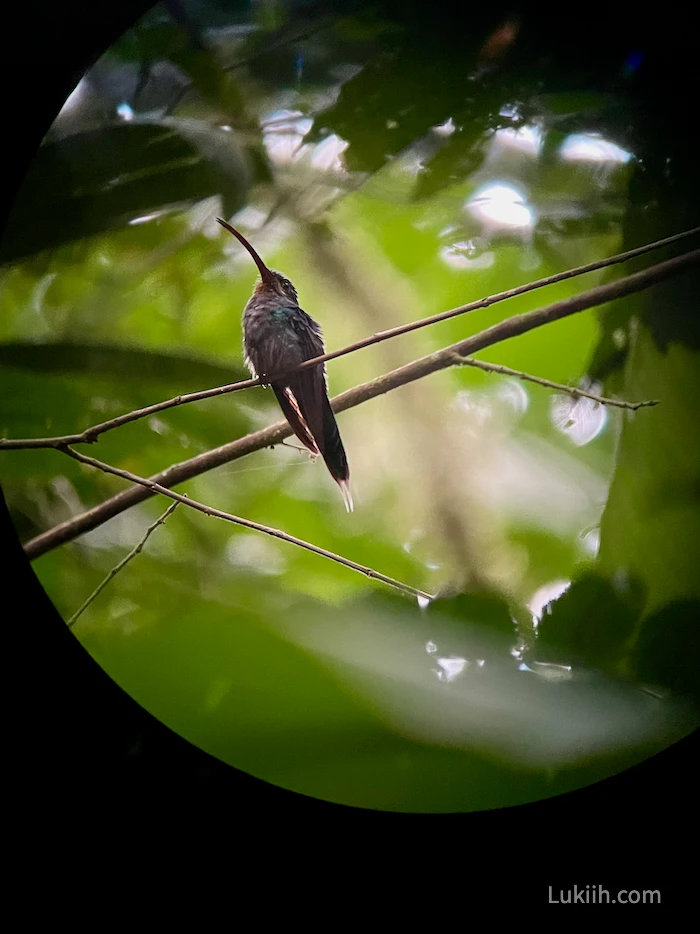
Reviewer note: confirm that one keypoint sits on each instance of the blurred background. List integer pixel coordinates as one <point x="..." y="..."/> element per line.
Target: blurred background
<point x="392" y="163"/>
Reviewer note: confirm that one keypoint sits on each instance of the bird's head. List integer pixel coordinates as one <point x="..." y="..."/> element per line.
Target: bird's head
<point x="270" y="281"/>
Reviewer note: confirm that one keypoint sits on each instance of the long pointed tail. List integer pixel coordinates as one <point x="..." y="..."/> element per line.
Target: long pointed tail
<point x="333" y="453"/>
<point x="309" y="413"/>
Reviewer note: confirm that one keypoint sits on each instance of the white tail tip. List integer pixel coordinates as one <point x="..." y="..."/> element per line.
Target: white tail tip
<point x="345" y="493"/>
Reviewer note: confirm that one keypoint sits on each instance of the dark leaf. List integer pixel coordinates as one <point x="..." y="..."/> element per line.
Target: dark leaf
<point x="668" y="647"/>
<point x="485" y="610"/>
<point x="99" y="180"/>
<point x="591" y="621"/>
<point x="117" y="362"/>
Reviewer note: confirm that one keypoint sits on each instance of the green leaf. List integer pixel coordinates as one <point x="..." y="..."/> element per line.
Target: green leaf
<point x="117" y="362"/>
<point x="649" y="529"/>
<point x="453" y="162"/>
<point x="101" y="179"/>
<point x="399" y="96"/>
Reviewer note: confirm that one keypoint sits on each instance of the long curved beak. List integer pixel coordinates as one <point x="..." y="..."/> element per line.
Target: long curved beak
<point x="265" y="273"/>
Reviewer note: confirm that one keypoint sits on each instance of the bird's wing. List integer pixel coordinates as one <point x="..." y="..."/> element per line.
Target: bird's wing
<point x="309" y="386"/>
<point x="292" y="411"/>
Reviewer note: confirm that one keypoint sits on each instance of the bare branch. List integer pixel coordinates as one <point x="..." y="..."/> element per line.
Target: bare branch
<point x="246" y="523"/>
<point x="115" y="570"/>
<point x="570" y="390"/>
<point x="269" y="437"/>
<point x="91" y="434"/>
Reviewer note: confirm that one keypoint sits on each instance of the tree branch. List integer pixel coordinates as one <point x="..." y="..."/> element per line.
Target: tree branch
<point x="91" y="434"/>
<point x="570" y="390"/>
<point x="153" y="487"/>
<point x="115" y="570"/>
<point x="269" y="437"/>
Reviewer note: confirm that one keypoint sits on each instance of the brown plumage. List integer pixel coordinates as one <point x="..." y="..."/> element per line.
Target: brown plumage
<point x="277" y="336"/>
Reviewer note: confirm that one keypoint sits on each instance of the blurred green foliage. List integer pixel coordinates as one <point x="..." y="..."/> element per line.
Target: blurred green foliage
<point x="439" y="176"/>
<point x="98" y="180"/>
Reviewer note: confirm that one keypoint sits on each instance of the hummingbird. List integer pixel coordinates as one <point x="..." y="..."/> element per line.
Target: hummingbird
<point x="277" y="336"/>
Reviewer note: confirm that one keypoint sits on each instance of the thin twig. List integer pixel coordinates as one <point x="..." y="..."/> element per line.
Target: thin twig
<point x="274" y="434"/>
<point x="115" y="570"/>
<point x="91" y="434"/>
<point x="298" y="447"/>
<point x="560" y="387"/>
<point x="246" y="523"/>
